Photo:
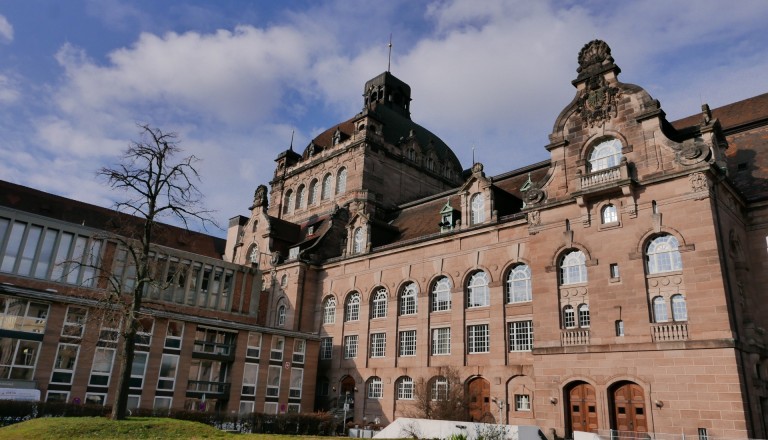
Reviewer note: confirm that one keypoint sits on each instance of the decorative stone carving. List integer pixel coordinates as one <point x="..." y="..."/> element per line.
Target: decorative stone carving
<point x="533" y="196"/>
<point x="598" y="101"/>
<point x="534" y="218"/>
<point x="699" y="182"/>
<point x="260" y="197"/>
<point x="594" y="56"/>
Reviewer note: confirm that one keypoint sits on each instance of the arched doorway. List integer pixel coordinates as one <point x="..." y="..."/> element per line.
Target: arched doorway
<point x="581" y="408"/>
<point x="628" y="408"/>
<point x="479" y="394"/>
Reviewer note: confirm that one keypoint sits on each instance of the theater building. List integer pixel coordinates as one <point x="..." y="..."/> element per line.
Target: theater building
<point x="616" y="285"/>
<point x="202" y="345"/>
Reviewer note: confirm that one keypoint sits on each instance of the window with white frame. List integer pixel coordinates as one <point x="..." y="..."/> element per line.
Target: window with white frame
<point x="609" y="214"/>
<point x="133" y="402"/>
<point x="278" y="345"/>
<point x="660" y="309"/>
<point x="162" y="403"/>
<point x="74" y="322"/>
<point x="253" y="350"/>
<point x="270" y="407"/>
<point x="352" y="308"/>
<point x="405" y="388"/>
<point x="281" y="312"/>
<point x="296" y="383"/>
<point x="478" y="294"/>
<point x="663" y="255"/>
<point x="350" y="346"/>
<point x="293" y="408"/>
<point x="138" y="369"/>
<point x="326" y="348"/>
<point x="101" y="370"/>
<point x="273" y="380"/>
<point x="95" y="398"/>
<point x="606" y="154"/>
<point x="569" y="317"/>
<point x="64" y="366"/>
<point x="329" y="311"/>
<point x="375" y="388"/>
<point x="326" y="192"/>
<point x="439" y="389"/>
<point x="408" y="343"/>
<point x="299" y="346"/>
<point x="477" y="209"/>
<point x="57" y="396"/>
<point x="679" y="308"/>
<point x="441" y="295"/>
<point x="573" y="268"/>
<point x="144" y="332"/>
<point x="408" y="299"/>
<point x="519" y="284"/>
<point x="522" y="402"/>
<point x="21" y="315"/>
<point x="584" y="315"/>
<point x="341" y="181"/>
<point x="174" y="334"/>
<point x="358" y="240"/>
<point x="520" y="335"/>
<point x="478" y="339"/>
<point x="378" y="345"/>
<point x="379" y="304"/>
<point x="246" y="407"/>
<point x="18" y="358"/>
<point x="441" y="340"/>
<point x="169" y="365"/>
<point x="250" y="378"/>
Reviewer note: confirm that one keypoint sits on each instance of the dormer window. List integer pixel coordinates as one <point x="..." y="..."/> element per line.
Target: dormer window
<point x="446" y="218"/>
<point x="337" y="137"/>
<point x="606" y="154"/>
<point x="477" y="208"/>
<point x="358" y="241"/>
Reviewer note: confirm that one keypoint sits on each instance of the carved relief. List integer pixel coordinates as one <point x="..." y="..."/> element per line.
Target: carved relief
<point x="260" y="197"/>
<point x="598" y="102"/>
<point x="534" y="218"/>
<point x="699" y="182"/>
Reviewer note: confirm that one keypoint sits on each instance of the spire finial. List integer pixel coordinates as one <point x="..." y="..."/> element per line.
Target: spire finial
<point x="291" y="147"/>
<point x="473" y="155"/>
<point x="389" y="60"/>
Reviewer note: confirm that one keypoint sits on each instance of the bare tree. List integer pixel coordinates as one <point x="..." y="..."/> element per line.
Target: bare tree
<point x="155" y="185"/>
<point x="440" y="397"/>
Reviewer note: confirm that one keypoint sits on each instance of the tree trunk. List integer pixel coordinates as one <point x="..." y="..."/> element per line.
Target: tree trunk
<point x="120" y="406"/>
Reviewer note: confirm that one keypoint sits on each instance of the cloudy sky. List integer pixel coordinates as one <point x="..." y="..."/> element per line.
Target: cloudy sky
<point x="234" y="78"/>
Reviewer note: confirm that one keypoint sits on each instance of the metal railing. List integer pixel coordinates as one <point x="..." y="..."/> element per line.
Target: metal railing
<point x="201" y="386"/>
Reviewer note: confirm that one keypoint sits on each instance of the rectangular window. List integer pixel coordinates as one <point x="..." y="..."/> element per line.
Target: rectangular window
<point x="441" y="341"/>
<point x="250" y="378"/>
<point x="299" y="346"/>
<point x="619" y="327"/>
<point x="350" y="346"/>
<point x="408" y="343"/>
<point x="378" y="345"/>
<point x="163" y="403"/>
<point x="22" y="315"/>
<point x="478" y="338"/>
<point x="64" y="366"/>
<point x="326" y="348"/>
<point x="614" y="270"/>
<point x="297" y="381"/>
<point x="254" y="345"/>
<point x="144" y="332"/>
<point x="214" y="341"/>
<point x="246" y="407"/>
<point x="270" y="407"/>
<point x="57" y="396"/>
<point x="278" y="344"/>
<point x="102" y="366"/>
<point x="168" y="368"/>
<point x="138" y="368"/>
<point x="95" y="398"/>
<point x="13" y="247"/>
<point x="18" y="358"/>
<point x="294" y="408"/>
<point x="174" y="334"/>
<point x="273" y="380"/>
<point x="522" y="402"/>
<point x="74" y="322"/>
<point x="520" y="335"/>
<point x="133" y="401"/>
<point x="110" y="329"/>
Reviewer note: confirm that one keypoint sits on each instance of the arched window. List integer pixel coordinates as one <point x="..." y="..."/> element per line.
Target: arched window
<point x="375" y="388"/>
<point x="609" y="214"/>
<point x="326" y="193"/>
<point x="478" y="294"/>
<point x="573" y="268"/>
<point x="329" y="311"/>
<point x="404" y="388"/>
<point x="679" y="308"/>
<point x="439" y="389"/>
<point x="477" y="208"/>
<point x="408" y="299"/>
<point x="352" y="308"/>
<point x="663" y="255"/>
<point x="358" y="241"/>
<point x="441" y="295"/>
<point x="569" y="317"/>
<point x="281" y="312"/>
<point x="288" y="202"/>
<point x="314" y="192"/>
<point x="379" y="304"/>
<point x="300" y="197"/>
<point x="660" y="310"/>
<point x="253" y="254"/>
<point x="341" y="181"/>
<point x="519" y="284"/>
<point x="584" y="315"/>
<point x="604" y="155"/>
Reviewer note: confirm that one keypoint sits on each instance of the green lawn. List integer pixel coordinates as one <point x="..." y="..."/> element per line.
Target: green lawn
<point x="82" y="428"/>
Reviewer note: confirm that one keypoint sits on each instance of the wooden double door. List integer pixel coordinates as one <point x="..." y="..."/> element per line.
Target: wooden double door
<point x="627" y="405"/>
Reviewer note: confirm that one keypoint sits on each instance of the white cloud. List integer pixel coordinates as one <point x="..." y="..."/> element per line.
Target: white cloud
<point x="9" y="91"/>
<point x="6" y="30"/>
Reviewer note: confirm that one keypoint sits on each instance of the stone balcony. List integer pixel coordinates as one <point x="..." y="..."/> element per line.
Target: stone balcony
<point x="574" y="337"/>
<point x="669" y="331"/>
<point x="605" y="178"/>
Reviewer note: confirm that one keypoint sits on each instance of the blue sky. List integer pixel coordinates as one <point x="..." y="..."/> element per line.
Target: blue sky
<point x="235" y="78"/>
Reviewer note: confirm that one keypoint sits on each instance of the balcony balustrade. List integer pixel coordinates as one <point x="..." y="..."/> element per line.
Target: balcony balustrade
<point x="574" y="337"/>
<point x="672" y="331"/>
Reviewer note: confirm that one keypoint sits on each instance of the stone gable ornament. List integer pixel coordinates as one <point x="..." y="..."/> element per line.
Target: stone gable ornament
<point x="260" y="197"/>
<point x="598" y="100"/>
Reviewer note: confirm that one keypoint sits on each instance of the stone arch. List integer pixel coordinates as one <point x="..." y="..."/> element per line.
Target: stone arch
<point x="597" y="138"/>
<point x="628" y="406"/>
<point x="520" y="385"/>
<point x="649" y="234"/>
<point x="580" y="404"/>
<point x="478" y="268"/>
<point x="478" y="391"/>
<point x="560" y="251"/>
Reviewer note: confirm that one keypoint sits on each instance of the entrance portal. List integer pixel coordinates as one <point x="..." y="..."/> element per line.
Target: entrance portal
<point x="479" y="392"/>
<point x="582" y="408"/>
<point x="629" y="408"/>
